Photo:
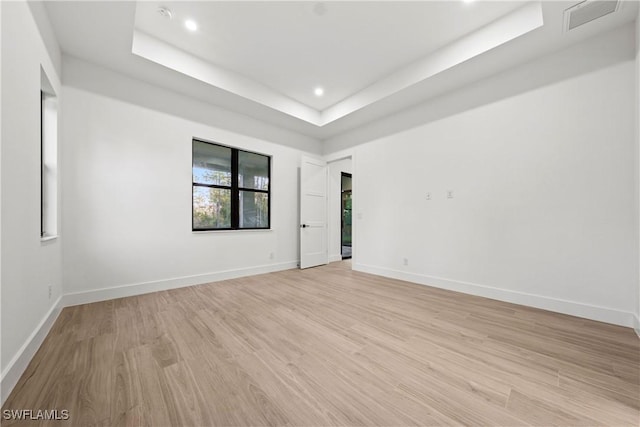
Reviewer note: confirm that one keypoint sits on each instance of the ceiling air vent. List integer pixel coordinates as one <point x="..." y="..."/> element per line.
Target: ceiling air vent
<point x="587" y="11"/>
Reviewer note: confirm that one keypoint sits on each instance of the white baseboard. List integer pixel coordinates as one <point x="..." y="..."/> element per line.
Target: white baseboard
<point x="20" y="361"/>
<point x="602" y="314"/>
<point x="104" y="294"/>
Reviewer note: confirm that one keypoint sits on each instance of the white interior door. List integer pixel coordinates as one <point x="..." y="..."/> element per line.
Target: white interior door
<point x="313" y="213"/>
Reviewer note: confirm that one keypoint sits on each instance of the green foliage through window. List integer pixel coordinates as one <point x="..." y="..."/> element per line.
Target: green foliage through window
<point x="231" y="188"/>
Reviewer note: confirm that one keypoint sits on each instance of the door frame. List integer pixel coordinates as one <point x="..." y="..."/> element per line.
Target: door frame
<point x="350" y="176"/>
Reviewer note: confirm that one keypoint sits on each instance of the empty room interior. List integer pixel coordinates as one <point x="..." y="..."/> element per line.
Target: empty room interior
<point x="303" y="213"/>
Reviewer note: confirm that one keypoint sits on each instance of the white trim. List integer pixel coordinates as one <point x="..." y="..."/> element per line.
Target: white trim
<point x="155" y="50"/>
<point x="23" y="357"/>
<point x="593" y="312"/>
<point x="48" y="238"/>
<point x="122" y="291"/>
<point x="21" y="360"/>
<point x="240" y="230"/>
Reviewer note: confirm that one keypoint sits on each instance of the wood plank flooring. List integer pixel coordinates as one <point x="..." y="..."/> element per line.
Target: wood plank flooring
<point x="328" y="346"/>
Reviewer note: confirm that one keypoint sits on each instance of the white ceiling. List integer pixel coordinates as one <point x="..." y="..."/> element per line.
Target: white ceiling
<point x="263" y="59"/>
<point x="291" y="48"/>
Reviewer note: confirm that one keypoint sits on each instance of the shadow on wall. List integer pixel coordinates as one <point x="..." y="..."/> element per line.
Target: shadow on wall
<point x="583" y="58"/>
<point x="94" y="78"/>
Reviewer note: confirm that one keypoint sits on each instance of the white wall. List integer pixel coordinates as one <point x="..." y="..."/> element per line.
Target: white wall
<point x="127" y="202"/>
<point x="29" y="266"/>
<point x="543" y="182"/>
<point x="2" y="393"/>
<point x="1" y="364"/>
<point x="334" y="201"/>
<point x="94" y="78"/>
<point x="637" y="157"/>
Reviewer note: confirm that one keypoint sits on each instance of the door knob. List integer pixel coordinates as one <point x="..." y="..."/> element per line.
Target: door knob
<point x="303" y="226"/>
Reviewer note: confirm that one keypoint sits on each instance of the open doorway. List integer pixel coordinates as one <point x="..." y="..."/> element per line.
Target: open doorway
<point x="345" y="215"/>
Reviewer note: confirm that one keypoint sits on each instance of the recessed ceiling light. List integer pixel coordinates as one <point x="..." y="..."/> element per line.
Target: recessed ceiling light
<point x="165" y="13"/>
<point x="191" y="25"/>
<point x="318" y="91"/>
<point x="468" y="1"/>
<point x="320" y="8"/>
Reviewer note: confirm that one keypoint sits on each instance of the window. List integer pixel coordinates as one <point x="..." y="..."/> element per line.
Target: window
<point x="231" y="188"/>
<point x="48" y="160"/>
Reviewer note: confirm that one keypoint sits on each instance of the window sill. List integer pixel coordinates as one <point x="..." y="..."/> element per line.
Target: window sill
<point x="255" y="230"/>
<point x="48" y="238"/>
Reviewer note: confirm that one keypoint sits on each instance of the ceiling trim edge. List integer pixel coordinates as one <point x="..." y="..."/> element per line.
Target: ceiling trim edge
<point x="497" y="33"/>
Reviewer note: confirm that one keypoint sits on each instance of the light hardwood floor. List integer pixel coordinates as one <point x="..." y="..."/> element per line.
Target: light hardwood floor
<point x="328" y="346"/>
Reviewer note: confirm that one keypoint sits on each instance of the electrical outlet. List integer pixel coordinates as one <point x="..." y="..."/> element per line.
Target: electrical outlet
<point x="449" y="194"/>
<point x="428" y="196"/>
<point x="405" y="261"/>
<point x="271" y="255"/>
<point x="50" y="291"/>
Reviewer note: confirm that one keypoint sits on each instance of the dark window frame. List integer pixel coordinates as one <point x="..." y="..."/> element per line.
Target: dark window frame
<point x="348" y="175"/>
<point x="234" y="188"/>
<point x="42" y="99"/>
